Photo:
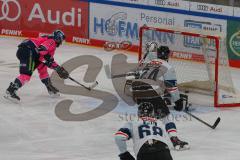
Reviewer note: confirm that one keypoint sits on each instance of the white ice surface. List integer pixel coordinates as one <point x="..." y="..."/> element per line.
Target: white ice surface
<point x="31" y="130"/>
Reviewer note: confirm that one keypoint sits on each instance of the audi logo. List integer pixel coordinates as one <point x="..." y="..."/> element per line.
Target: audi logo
<point x="5" y="10"/>
<point x="202" y="7"/>
<point x="160" y="2"/>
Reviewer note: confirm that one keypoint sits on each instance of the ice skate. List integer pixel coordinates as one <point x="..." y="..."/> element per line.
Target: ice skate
<point x="178" y="144"/>
<point x="53" y="91"/>
<point x="11" y="93"/>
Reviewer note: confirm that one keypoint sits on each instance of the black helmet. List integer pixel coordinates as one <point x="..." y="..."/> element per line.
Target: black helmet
<point x="146" y="109"/>
<point x="59" y="37"/>
<point x="163" y="52"/>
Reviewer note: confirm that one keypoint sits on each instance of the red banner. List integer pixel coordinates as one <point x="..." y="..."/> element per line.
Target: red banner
<point x="19" y="18"/>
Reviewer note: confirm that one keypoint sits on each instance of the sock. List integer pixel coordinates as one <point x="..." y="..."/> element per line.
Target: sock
<point x="171" y="129"/>
<point x="18" y="83"/>
<point x="46" y="81"/>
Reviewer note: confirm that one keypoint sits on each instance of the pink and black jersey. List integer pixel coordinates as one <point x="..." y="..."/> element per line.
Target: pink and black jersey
<point x="46" y="49"/>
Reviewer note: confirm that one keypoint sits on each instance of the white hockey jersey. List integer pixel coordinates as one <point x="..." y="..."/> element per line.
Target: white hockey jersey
<point x="140" y="132"/>
<point x="160" y="70"/>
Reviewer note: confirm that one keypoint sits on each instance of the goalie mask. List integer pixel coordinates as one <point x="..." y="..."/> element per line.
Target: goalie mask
<point x="163" y="52"/>
<point x="146" y="109"/>
<point x="151" y="47"/>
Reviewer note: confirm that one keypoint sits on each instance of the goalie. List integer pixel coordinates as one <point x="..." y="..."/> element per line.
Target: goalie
<point x="154" y="66"/>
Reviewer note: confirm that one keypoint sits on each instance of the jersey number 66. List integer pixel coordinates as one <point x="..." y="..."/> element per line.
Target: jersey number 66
<point x="146" y="130"/>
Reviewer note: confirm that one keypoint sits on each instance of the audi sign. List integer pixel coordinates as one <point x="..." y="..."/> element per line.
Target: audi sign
<point x="38" y="16"/>
<point x="6" y="9"/>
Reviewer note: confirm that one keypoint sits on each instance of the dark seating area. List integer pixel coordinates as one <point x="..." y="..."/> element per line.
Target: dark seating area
<point x="235" y="3"/>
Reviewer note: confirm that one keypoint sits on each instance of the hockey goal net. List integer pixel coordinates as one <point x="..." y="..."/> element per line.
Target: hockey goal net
<point x="200" y="61"/>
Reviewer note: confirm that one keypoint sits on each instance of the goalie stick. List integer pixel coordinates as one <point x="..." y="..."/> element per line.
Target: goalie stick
<point x="110" y="76"/>
<point x="88" y="88"/>
<point x="200" y="120"/>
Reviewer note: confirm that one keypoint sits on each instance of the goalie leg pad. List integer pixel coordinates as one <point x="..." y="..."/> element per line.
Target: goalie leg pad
<point x="142" y="90"/>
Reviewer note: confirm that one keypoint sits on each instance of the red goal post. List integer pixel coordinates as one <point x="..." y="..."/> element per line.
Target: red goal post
<point x="200" y="59"/>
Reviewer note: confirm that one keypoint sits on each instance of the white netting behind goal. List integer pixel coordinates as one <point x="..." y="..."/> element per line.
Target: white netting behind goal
<point x="200" y="61"/>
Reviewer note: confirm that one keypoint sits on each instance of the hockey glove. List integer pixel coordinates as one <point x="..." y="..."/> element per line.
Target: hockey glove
<point x="62" y="72"/>
<point x="182" y="103"/>
<point x="179" y="105"/>
<point x="48" y="60"/>
<point x="126" y="156"/>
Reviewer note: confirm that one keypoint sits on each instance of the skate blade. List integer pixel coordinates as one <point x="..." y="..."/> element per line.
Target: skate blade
<point x="178" y="148"/>
<point x="16" y="101"/>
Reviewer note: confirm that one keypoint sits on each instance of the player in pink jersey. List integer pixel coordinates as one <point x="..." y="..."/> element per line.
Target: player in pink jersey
<point x="37" y="53"/>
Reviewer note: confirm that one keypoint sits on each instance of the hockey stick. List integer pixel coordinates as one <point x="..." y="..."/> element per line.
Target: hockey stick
<point x="187" y="111"/>
<point x="88" y="88"/>
<point x="123" y="75"/>
<point x="110" y="76"/>
<point x="200" y="120"/>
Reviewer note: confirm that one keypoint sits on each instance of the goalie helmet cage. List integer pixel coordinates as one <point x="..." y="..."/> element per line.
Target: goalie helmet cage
<point x="200" y="60"/>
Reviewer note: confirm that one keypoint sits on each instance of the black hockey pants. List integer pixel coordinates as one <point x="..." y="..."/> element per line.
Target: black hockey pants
<point x="28" y="57"/>
<point x="157" y="151"/>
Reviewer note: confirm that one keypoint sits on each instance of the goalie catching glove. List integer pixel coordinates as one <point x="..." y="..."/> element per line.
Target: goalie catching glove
<point x="62" y="72"/>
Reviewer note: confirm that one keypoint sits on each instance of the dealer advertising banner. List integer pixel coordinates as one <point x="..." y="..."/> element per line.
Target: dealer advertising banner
<point x="117" y="24"/>
<point x="233" y="42"/>
<point x="18" y="17"/>
<point x="211" y="8"/>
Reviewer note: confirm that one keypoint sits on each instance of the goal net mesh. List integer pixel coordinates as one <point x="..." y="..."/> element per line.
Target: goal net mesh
<point x="200" y="61"/>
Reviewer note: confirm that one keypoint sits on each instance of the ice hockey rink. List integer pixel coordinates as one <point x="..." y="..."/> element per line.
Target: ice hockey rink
<point x="32" y="131"/>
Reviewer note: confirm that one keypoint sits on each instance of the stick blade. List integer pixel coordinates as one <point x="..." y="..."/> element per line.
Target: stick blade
<point x="216" y="123"/>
